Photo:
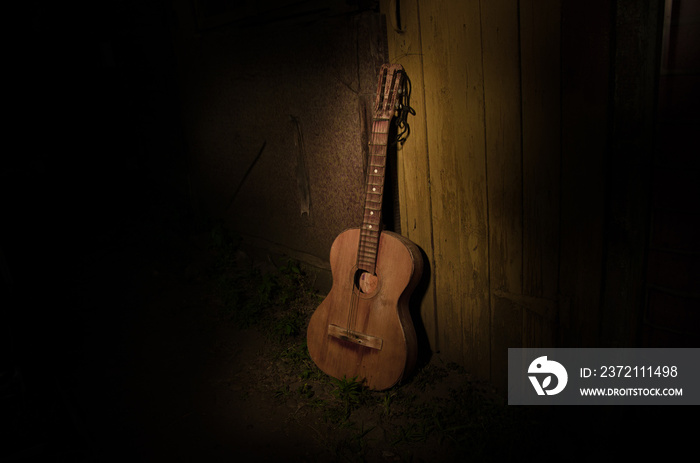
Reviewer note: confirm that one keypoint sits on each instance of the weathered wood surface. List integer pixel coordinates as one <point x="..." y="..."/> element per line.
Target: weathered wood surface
<point x="509" y="154"/>
<point x="413" y="174"/>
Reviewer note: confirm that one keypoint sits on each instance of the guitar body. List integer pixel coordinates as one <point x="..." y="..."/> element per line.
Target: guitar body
<point x="363" y="328"/>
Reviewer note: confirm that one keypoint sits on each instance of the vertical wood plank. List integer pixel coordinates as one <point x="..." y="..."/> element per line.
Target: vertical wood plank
<point x="540" y="23"/>
<point x="500" y="31"/>
<point x="635" y="67"/>
<point x="585" y="43"/>
<point x="454" y="103"/>
<point x="404" y="43"/>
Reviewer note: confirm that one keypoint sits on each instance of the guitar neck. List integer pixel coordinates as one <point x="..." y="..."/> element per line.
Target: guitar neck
<point x="374" y="192"/>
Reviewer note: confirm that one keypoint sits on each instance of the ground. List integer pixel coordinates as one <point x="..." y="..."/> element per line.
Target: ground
<point x="181" y="347"/>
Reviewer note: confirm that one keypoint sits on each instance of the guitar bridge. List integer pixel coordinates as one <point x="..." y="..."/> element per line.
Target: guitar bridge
<point x="356" y="337"/>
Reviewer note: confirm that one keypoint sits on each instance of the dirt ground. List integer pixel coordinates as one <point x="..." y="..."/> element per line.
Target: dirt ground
<point x="179" y="347"/>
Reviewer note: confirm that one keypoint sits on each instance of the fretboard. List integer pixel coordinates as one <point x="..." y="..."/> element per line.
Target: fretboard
<point x="374" y="190"/>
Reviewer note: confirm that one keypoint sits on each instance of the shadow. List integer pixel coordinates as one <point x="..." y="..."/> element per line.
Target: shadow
<point x="425" y="353"/>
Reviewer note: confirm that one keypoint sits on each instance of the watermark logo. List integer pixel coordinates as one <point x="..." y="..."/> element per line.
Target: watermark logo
<point x="545" y="369"/>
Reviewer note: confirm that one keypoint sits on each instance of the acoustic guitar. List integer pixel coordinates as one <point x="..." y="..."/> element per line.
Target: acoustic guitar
<point x="363" y="328"/>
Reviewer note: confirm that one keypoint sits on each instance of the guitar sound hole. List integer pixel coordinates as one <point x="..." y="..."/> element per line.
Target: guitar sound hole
<point x="366" y="282"/>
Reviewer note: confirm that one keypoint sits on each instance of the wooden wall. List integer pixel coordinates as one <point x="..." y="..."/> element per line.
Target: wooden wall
<point x="672" y="312"/>
<point x="515" y="180"/>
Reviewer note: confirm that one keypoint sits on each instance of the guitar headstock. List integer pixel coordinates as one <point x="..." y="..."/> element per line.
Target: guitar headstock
<point x="388" y="89"/>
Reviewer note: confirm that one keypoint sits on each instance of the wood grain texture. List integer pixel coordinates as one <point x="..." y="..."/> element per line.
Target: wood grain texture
<point x="454" y="104"/>
<point x="383" y="314"/>
<point x="635" y="64"/>
<point x="516" y="111"/>
<point x="413" y="174"/>
<point x="584" y="108"/>
<point x="500" y="32"/>
<point x="540" y="24"/>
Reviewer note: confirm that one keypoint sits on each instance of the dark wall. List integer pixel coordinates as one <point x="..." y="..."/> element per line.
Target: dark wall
<point x="94" y="170"/>
<point x="672" y="306"/>
<point x="276" y="103"/>
<point x="139" y="122"/>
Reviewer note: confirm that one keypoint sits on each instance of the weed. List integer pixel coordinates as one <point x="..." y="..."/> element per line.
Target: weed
<point x="306" y="391"/>
<point x="412" y="432"/>
<point x="348" y="391"/>
<point x="288" y="324"/>
<point x="335" y="413"/>
<point x="282" y="392"/>
<point x="388" y="398"/>
<point x="296" y="354"/>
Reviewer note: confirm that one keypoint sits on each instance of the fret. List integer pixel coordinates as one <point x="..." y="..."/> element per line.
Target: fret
<point x="367" y="254"/>
<point x="374" y="187"/>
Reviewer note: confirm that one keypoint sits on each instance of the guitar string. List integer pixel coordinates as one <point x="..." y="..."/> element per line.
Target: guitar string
<point x="363" y="249"/>
<point x="397" y="85"/>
